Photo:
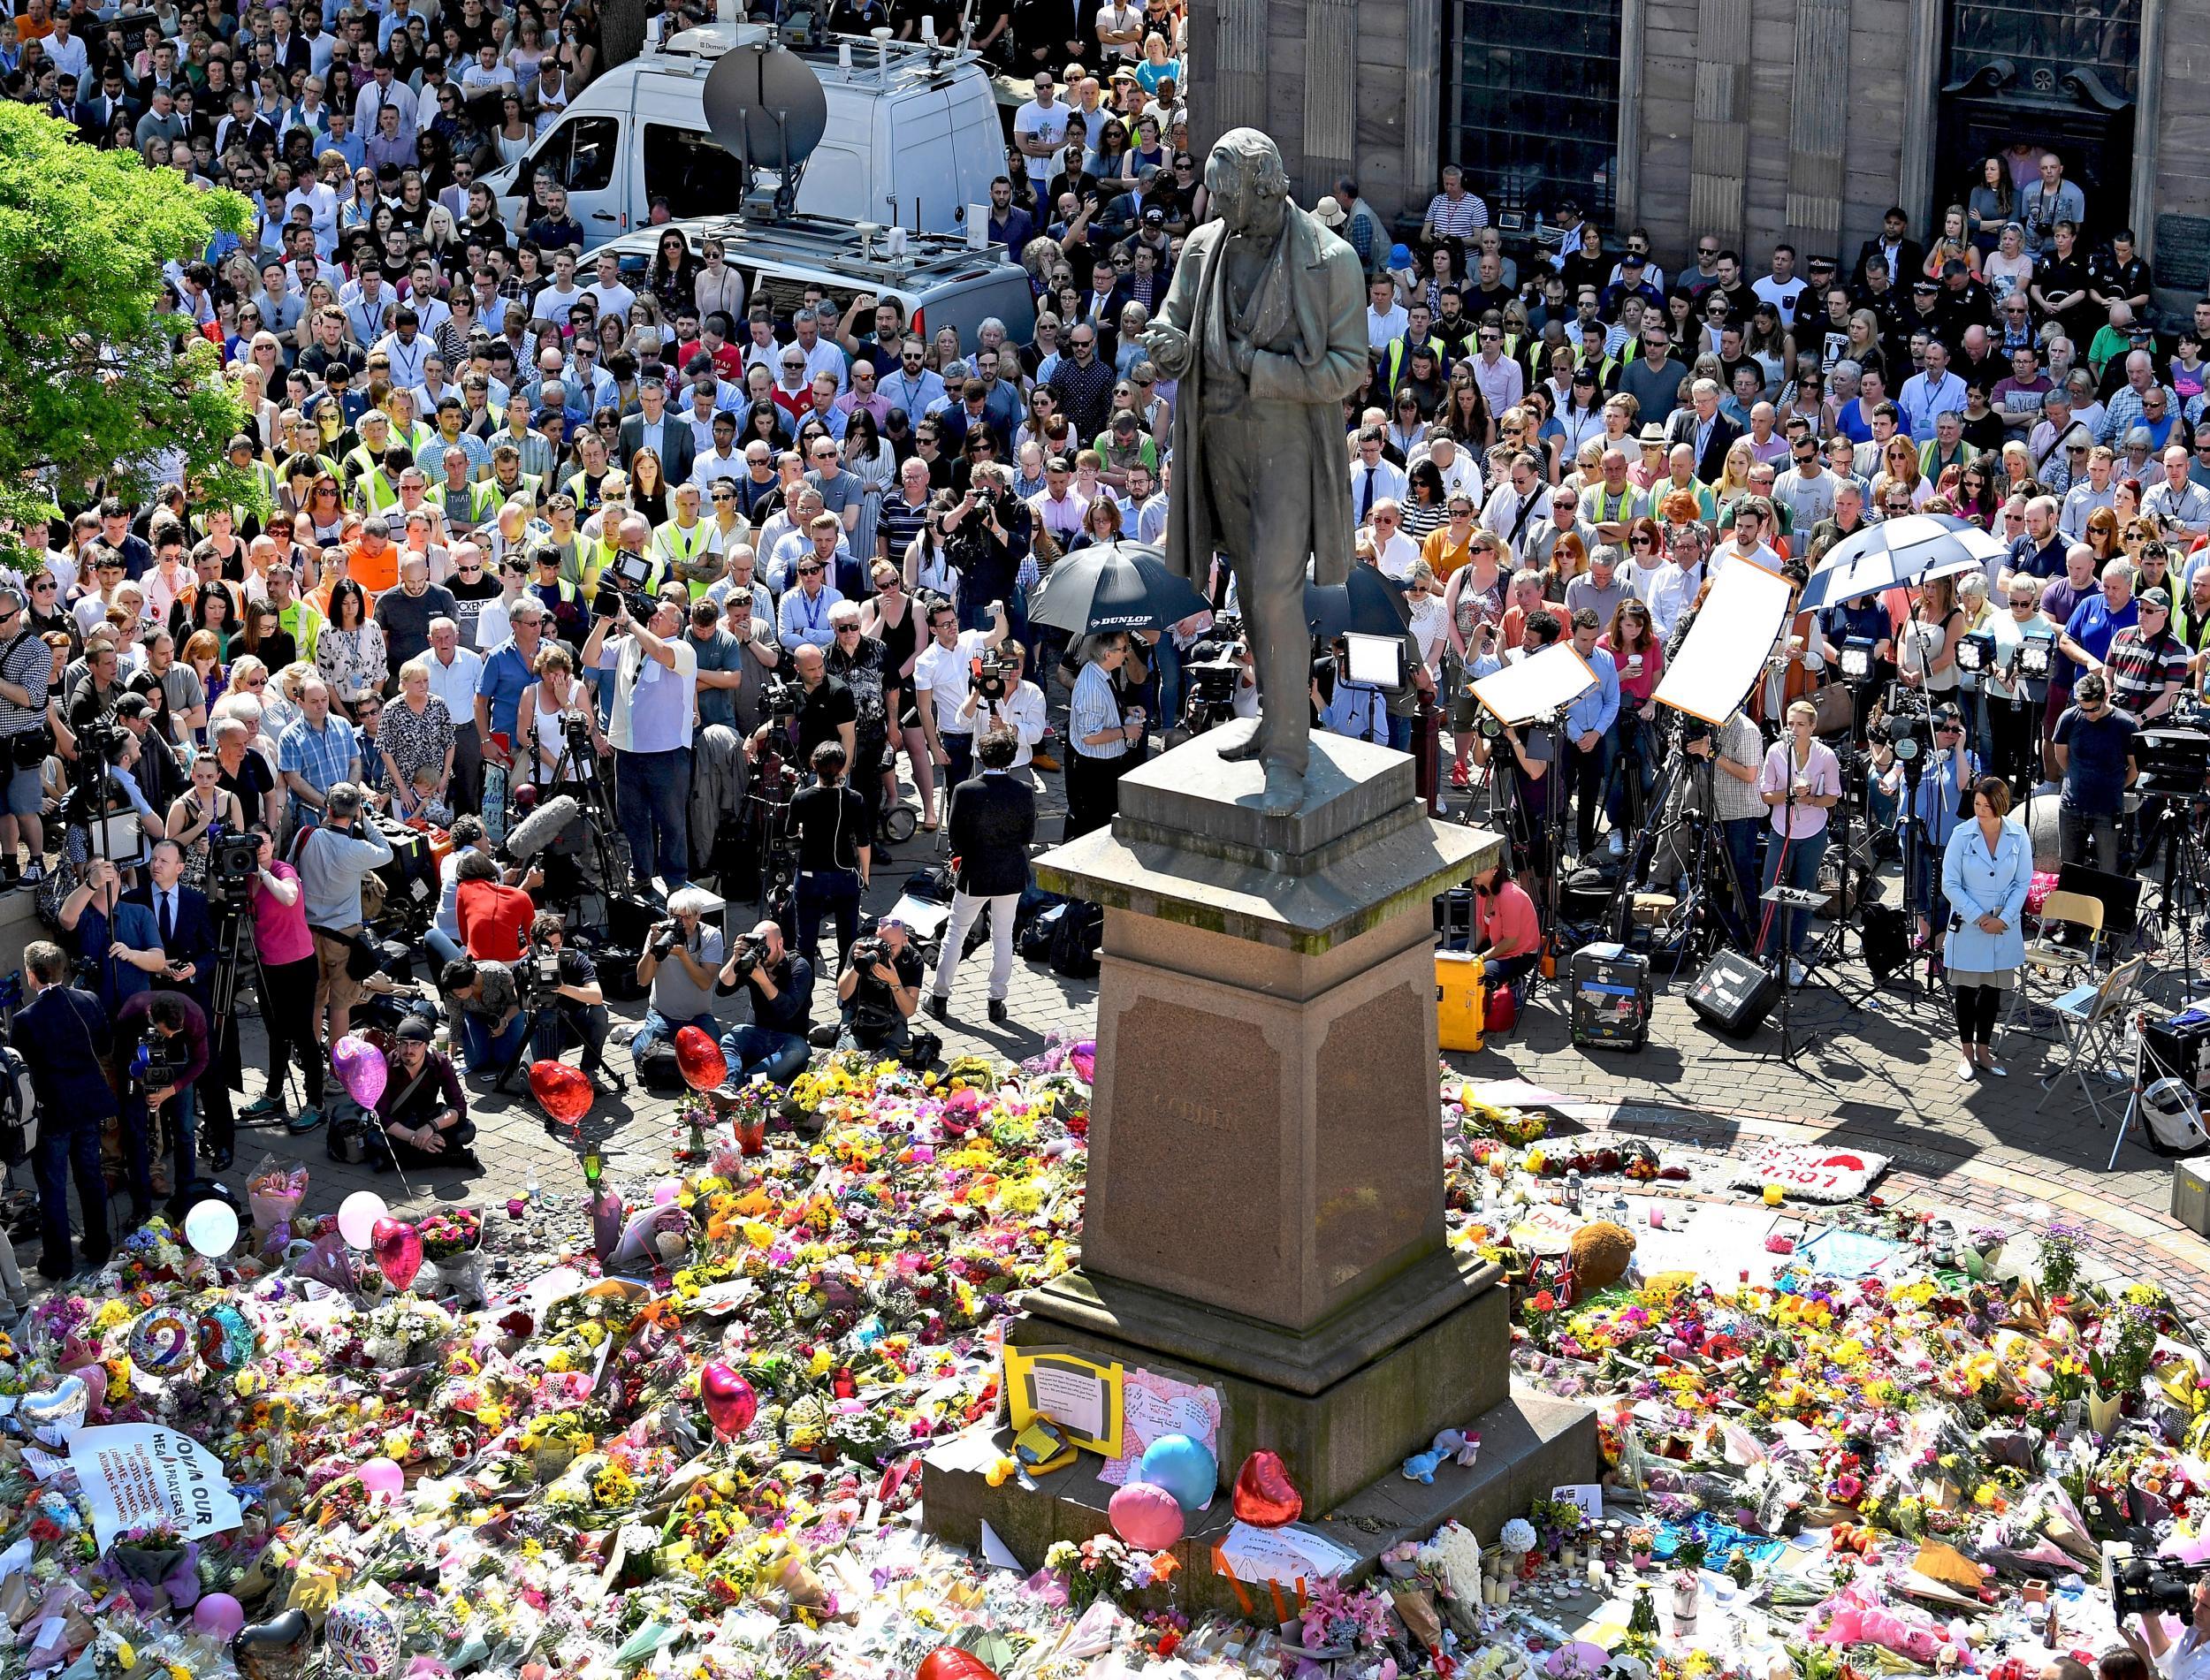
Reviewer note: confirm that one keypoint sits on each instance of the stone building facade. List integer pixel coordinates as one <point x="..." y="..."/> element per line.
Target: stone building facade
<point x="1756" y="120"/>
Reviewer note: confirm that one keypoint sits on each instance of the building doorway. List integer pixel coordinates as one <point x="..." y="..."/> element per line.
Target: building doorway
<point x="2021" y="78"/>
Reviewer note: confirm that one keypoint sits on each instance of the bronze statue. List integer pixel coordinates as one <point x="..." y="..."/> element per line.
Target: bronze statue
<point x="1265" y="328"/>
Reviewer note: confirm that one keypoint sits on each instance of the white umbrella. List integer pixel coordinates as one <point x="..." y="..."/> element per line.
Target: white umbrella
<point x="1900" y="550"/>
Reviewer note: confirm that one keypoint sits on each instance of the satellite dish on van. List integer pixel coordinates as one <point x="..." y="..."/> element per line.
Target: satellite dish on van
<point x="765" y="106"/>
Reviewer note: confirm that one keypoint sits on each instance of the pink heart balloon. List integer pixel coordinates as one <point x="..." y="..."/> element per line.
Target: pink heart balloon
<point x="1146" y="1517"/>
<point x="360" y="1068"/>
<point x="397" y="1246"/>
<point x="731" y="1405"/>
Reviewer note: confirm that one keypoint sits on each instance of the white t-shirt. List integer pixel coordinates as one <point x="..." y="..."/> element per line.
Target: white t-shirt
<point x="1049" y="126"/>
<point x="945" y="673"/>
<point x="1399" y="555"/>
<point x="1781" y="294"/>
<point x="611" y="299"/>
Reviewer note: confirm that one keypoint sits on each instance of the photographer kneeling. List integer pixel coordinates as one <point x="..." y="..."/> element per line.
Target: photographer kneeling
<point x="780" y="983"/>
<point x="568" y="982"/>
<point x="879" y="989"/>
<point x="679" y="963"/>
<point x="484" y="1000"/>
<point x="424" y="1112"/>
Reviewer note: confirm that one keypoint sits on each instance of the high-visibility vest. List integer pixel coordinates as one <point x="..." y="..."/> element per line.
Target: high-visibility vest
<point x="373" y="492"/>
<point x="525" y="485"/>
<point x="680" y="549"/>
<point x="472" y="505"/>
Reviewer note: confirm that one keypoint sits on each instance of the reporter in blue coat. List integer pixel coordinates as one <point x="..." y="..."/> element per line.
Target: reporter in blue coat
<point x="1985" y="871"/>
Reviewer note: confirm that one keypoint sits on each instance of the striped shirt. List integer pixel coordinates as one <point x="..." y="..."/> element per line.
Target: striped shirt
<point x="1092" y="711"/>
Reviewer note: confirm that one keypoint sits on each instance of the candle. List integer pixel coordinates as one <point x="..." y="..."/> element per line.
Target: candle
<point x="1596" y="1582"/>
<point x="1570" y="1556"/>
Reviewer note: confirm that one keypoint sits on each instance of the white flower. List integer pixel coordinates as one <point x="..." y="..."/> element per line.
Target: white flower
<point x="1518" y="1535"/>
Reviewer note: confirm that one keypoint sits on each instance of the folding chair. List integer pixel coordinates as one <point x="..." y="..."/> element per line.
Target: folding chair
<point x="2091" y="1018"/>
<point x="2068" y="941"/>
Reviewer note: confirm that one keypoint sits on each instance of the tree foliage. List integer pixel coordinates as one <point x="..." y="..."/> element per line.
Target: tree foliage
<point x="92" y="389"/>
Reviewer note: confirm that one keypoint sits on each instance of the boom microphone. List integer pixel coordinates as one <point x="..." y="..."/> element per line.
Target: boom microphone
<point x="541" y="827"/>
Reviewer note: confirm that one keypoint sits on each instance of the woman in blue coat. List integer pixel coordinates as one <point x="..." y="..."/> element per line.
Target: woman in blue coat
<point x="1985" y="871"/>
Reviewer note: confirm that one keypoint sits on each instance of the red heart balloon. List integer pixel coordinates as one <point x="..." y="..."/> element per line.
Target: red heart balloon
<point x="563" y="1092"/>
<point x="397" y="1246"/>
<point x="1264" y="1495"/>
<point x="951" y="1663"/>
<point x="731" y="1405"/>
<point x="699" y="1059"/>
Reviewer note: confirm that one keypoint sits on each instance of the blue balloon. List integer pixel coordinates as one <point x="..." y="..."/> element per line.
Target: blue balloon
<point x="1184" y="1469"/>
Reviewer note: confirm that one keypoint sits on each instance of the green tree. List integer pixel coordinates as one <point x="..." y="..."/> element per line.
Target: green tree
<point x="93" y="388"/>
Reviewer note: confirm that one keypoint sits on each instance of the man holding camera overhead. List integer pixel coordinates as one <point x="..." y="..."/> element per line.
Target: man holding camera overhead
<point x="655" y="688"/>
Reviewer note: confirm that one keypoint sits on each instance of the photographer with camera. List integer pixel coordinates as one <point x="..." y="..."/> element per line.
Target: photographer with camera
<point x="484" y="1000"/>
<point x="998" y="699"/>
<point x="679" y="962"/>
<point x="829" y="820"/>
<point x="2093" y="744"/>
<point x="1939" y="797"/>
<point x="2187" y="1658"/>
<point x="988" y="534"/>
<point x="942" y="673"/>
<point x="171" y="1030"/>
<point x="118" y="942"/>
<point x="655" y="683"/>
<point x="63" y="1036"/>
<point x="423" y="1110"/>
<point x="332" y="859"/>
<point x="568" y="1006"/>
<point x="992" y="820"/>
<point x="26" y="673"/>
<point x="1739" y="808"/>
<point x="780" y="983"/>
<point x="879" y="988"/>
<point x="288" y="972"/>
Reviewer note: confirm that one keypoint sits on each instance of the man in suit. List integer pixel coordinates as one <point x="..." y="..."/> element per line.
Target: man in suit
<point x="992" y="820"/>
<point x="1906" y="257"/>
<point x="185" y="923"/>
<point x="99" y="108"/>
<point x="64" y="1037"/>
<point x="1704" y="430"/>
<point x="659" y="427"/>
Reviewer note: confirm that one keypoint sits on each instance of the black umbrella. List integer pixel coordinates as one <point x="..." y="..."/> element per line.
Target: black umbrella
<point x="1366" y="603"/>
<point x="1113" y="586"/>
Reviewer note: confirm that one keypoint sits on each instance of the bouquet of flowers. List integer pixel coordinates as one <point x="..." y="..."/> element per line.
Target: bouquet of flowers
<point x="274" y="1192"/>
<point x="1105" y="1567"/>
<point x="452" y="1242"/>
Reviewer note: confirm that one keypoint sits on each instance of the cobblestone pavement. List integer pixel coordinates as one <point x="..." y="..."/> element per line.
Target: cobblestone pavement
<point x="1881" y="1074"/>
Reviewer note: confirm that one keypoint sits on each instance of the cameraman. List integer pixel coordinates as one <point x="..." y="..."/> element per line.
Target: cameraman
<point x="879" y="989"/>
<point x="992" y="819"/>
<point x="2185" y="1660"/>
<point x="942" y="673"/>
<point x="1739" y="808"/>
<point x="1012" y="704"/>
<point x="655" y="688"/>
<point x="679" y="963"/>
<point x="484" y="1000"/>
<point x="575" y="1008"/>
<point x="333" y="857"/>
<point x="174" y="1030"/>
<point x="780" y="984"/>
<point x="830" y="821"/>
<point x="120" y="940"/>
<point x="287" y="983"/>
<point x="988" y="534"/>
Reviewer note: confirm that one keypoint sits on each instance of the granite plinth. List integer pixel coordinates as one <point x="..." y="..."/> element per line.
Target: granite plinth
<point x="1529" y="1444"/>
<point x="1342" y="1402"/>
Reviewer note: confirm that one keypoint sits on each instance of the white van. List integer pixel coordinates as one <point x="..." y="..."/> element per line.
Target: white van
<point x="938" y="279"/>
<point x="913" y="137"/>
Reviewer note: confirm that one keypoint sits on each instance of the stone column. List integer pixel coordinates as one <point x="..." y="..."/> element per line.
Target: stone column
<point x="1331" y="94"/>
<point x="1626" y="165"/>
<point x="1922" y="92"/>
<point x="1720" y="147"/>
<point x="2148" y="114"/>
<point x="1818" y="123"/>
<point x="1426" y="78"/>
<point x="1238" y="87"/>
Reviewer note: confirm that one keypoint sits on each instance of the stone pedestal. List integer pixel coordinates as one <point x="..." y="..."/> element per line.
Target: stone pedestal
<point x="1264" y="1208"/>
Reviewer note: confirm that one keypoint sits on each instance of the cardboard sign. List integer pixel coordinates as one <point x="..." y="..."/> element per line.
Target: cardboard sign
<point x="1082" y="1397"/>
<point x="134" y="1473"/>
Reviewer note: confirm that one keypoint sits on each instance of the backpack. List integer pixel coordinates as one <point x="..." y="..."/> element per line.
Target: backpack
<point x="2172" y="1119"/>
<point x="19" y="1106"/>
<point x="657" y="1070"/>
<point x="1076" y="937"/>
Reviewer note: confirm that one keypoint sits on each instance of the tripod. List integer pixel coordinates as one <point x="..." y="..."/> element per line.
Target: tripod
<point x="2181" y="894"/>
<point x="577" y="772"/>
<point x="2144" y="1059"/>
<point x="1783" y="902"/>
<point x="1686" y="775"/>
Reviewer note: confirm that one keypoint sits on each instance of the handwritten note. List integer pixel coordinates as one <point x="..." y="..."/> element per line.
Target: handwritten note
<point x="1152" y="1406"/>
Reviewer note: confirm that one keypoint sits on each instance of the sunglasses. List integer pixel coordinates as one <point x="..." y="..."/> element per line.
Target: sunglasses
<point x="809" y="571"/>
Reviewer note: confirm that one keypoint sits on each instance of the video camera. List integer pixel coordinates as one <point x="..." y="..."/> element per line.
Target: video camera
<point x="1907" y="728"/>
<point x="539" y="972"/>
<point x="622" y="584"/>
<point x="782" y="698"/>
<point x="1214" y="672"/>
<point x="232" y="862"/>
<point x="2148" y="1585"/>
<point x="993" y="674"/>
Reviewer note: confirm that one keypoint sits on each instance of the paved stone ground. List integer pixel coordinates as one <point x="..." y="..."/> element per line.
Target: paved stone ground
<point x="1882" y="1075"/>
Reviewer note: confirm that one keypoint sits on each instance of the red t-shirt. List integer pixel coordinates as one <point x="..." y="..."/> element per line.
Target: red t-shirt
<point x="494" y="919"/>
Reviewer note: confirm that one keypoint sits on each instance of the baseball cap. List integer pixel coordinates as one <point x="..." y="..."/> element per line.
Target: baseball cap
<point x="2158" y="599"/>
<point x="413" y="1029"/>
<point x="1154" y="218"/>
<point x="1400" y="256"/>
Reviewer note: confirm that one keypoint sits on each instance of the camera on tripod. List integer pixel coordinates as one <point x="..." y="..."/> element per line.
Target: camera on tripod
<point x="1214" y="672"/>
<point x="2148" y="1585"/>
<point x="782" y="698"/>
<point x="233" y="861"/>
<point x="622" y="584"/>
<point x="540" y="975"/>
<point x="1907" y="728"/>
